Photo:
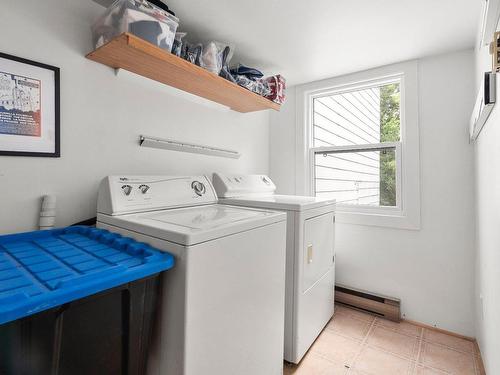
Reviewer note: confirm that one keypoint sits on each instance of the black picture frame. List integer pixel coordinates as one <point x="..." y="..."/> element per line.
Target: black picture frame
<point x="57" y="109"/>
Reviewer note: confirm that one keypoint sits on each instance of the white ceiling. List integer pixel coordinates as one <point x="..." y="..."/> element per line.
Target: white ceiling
<point x="310" y="40"/>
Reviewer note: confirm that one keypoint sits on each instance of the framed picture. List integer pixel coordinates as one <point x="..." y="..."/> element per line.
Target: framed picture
<point x="29" y="108"/>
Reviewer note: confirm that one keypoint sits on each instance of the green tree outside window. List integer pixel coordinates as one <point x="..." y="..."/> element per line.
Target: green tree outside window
<point x="390" y="121"/>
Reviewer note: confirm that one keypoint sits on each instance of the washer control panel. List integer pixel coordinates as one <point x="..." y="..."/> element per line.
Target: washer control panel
<point x="198" y="187"/>
<point x="129" y="194"/>
<point x="144" y="188"/>
<point x="127" y="189"/>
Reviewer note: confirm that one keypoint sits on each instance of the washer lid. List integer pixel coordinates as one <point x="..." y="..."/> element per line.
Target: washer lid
<point x="281" y="202"/>
<point x="192" y="225"/>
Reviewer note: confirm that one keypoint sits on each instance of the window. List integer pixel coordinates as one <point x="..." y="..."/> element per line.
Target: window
<point x="357" y="141"/>
<point x="356" y="145"/>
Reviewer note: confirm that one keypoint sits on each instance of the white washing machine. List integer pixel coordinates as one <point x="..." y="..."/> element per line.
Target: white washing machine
<point x="222" y="308"/>
<point x="310" y="259"/>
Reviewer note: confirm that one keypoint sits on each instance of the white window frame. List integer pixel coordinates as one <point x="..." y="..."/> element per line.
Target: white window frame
<point x="406" y="214"/>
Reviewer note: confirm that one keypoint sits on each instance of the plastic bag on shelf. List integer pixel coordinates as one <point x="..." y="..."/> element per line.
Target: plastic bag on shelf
<point x="192" y="52"/>
<point x="211" y="59"/>
<point x="248" y="72"/>
<point x="257" y="86"/>
<point x="277" y="87"/>
<point x="215" y="55"/>
<point x="225" y="72"/>
<point x="177" y="46"/>
<point x="184" y="50"/>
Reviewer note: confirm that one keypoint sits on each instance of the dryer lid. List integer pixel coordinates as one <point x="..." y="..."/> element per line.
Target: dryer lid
<point x="281" y="202"/>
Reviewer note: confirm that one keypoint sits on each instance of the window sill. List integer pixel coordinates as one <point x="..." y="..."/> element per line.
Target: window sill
<point x="395" y="221"/>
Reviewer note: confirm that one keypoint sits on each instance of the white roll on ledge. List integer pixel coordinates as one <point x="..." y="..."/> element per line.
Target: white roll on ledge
<point x="48" y="212"/>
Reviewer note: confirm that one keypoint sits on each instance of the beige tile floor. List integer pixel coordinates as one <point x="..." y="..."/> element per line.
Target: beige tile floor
<point x="355" y="343"/>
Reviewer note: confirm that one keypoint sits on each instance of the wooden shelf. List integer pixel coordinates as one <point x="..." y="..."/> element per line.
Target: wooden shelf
<point x="131" y="53"/>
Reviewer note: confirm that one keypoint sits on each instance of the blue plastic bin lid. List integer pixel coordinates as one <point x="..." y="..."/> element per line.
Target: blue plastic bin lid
<point x="44" y="269"/>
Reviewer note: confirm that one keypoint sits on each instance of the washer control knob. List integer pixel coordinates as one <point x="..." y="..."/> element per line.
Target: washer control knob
<point x="144" y="189"/>
<point x="198" y="188"/>
<point x="127" y="189"/>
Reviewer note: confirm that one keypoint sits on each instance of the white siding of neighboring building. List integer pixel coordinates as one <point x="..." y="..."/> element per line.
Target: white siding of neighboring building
<point x="346" y="119"/>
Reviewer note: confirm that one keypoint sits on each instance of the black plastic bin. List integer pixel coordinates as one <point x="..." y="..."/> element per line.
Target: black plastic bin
<point x="83" y="332"/>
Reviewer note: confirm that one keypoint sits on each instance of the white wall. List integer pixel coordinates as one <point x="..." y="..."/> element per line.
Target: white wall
<point x="430" y="269"/>
<point x="487" y="167"/>
<point x="102" y="117"/>
<point x="282" y="140"/>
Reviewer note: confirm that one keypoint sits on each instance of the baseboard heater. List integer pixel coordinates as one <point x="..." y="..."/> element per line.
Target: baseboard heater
<point x="383" y="306"/>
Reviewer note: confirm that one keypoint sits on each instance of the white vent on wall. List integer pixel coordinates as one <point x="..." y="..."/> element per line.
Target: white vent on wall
<point x="485" y="101"/>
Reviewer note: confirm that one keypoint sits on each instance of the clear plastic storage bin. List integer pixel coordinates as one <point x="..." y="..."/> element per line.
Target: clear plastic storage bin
<point x="137" y="17"/>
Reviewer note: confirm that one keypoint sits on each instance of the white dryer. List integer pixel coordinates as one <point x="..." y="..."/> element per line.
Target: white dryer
<point x="310" y="259"/>
<point x="222" y="309"/>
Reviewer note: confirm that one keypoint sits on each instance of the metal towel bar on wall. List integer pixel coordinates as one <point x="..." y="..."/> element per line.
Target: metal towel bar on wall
<point x="170" y="144"/>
